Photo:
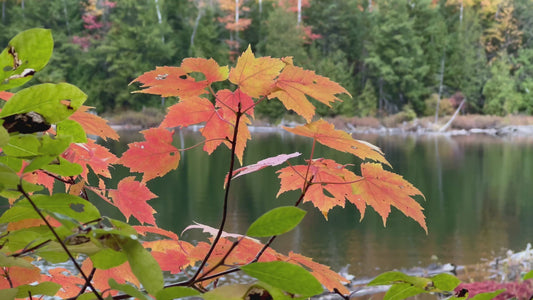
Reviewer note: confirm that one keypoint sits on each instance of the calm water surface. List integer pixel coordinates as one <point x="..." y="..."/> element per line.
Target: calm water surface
<point x="478" y="190"/>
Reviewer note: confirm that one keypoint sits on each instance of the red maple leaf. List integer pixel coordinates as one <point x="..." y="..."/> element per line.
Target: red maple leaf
<point x="382" y="189"/>
<point x="154" y="157"/>
<point x="91" y="154"/>
<point x="130" y="198"/>
<point x="93" y="124"/>
<point x="176" y="81"/>
<point x="219" y="118"/>
<point x="325" y="133"/>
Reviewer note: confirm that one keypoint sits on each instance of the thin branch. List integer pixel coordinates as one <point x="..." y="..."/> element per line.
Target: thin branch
<point x="223" y="260"/>
<point x="226" y="200"/>
<point x="85" y="286"/>
<point x="78" y="267"/>
<point x="68" y="181"/>
<point x="26" y="251"/>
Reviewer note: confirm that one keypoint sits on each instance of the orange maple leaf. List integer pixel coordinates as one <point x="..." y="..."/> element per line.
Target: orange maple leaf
<point x="5" y="95"/>
<point x="154" y="157"/>
<point x="255" y="76"/>
<point x="382" y="189"/>
<point x="329" y="279"/>
<point x="176" y="81"/>
<point x="326" y="134"/>
<point x="172" y="255"/>
<point x="18" y="276"/>
<point x="70" y="284"/>
<point x="130" y="198"/>
<point x="91" y="154"/>
<point x="209" y="67"/>
<point x="247" y="249"/>
<point x="93" y="124"/>
<point x="143" y="230"/>
<point x="40" y="177"/>
<point x="329" y="183"/>
<point x="294" y="85"/>
<point x="121" y="274"/>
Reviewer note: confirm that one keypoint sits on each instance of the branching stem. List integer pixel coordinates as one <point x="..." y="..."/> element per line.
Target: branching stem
<point x="78" y="267"/>
<point x="226" y="199"/>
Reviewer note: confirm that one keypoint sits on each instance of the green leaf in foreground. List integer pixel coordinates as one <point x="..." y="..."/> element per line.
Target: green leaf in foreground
<point x="445" y="282"/>
<point x="27" y="53"/>
<point x="402" y="291"/>
<point x="8" y="294"/>
<point x="127" y="289"/>
<point x="399" y="277"/>
<point x="528" y="275"/>
<point x="286" y="276"/>
<point x="277" y="221"/>
<point x="144" y="266"/>
<point x="176" y="292"/>
<point x="47" y="288"/>
<point x="9" y="261"/>
<point x="487" y="296"/>
<point x="54" y="102"/>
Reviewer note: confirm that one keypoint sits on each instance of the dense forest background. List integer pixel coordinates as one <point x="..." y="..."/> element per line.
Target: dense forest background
<point x="391" y="55"/>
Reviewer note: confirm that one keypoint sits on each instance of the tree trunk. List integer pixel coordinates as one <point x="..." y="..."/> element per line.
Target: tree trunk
<point x="299" y="11"/>
<point x="159" y="18"/>
<point x="442" y="62"/>
<point x="4" y="11"/>
<point x="461" y="13"/>
<point x="196" y="23"/>
<point x="65" y="11"/>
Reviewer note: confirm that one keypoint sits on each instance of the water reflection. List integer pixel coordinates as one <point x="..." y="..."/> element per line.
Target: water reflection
<point x="477" y="190"/>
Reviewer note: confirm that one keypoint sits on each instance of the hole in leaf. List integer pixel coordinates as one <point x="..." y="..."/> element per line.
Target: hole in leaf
<point x="327" y="193"/>
<point x="29" y="122"/>
<point x="77" y="207"/>
<point x="67" y="103"/>
<point x="256" y="293"/>
<point x="197" y="76"/>
<point x="183" y="76"/>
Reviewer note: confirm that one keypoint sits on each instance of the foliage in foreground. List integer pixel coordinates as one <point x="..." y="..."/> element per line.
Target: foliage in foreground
<point x="111" y="258"/>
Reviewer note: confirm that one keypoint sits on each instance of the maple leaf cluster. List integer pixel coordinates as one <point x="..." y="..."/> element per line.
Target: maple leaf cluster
<point x="225" y="116"/>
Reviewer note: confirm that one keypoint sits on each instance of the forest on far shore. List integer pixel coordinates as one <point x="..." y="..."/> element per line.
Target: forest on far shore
<point x="391" y="55"/>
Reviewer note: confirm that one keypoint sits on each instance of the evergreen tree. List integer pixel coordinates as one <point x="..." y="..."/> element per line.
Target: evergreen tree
<point x="524" y="79"/>
<point x="500" y="95"/>
<point x="367" y="102"/>
<point x="395" y="56"/>
<point x="134" y="44"/>
<point x="466" y="70"/>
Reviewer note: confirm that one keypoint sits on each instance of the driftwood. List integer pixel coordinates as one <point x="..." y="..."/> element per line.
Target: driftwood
<point x="443" y="128"/>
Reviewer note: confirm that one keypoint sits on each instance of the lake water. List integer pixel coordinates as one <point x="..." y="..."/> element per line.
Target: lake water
<point x="479" y="192"/>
